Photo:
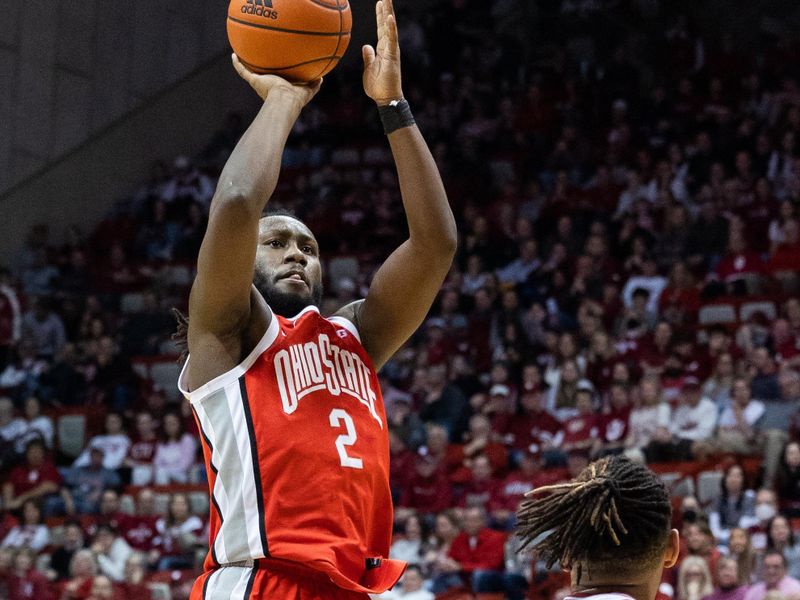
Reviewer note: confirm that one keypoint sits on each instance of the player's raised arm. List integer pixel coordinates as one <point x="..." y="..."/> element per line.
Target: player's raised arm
<point x="406" y="285"/>
<point x="220" y="301"/>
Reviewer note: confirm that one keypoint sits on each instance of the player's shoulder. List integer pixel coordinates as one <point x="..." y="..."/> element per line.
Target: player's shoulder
<point x="349" y="317"/>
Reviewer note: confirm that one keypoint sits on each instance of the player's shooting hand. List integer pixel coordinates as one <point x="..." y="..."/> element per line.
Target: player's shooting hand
<point x="382" y="80"/>
<point x="275" y="86"/>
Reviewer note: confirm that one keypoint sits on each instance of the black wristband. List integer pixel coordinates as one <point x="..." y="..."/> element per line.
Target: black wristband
<point x="396" y="115"/>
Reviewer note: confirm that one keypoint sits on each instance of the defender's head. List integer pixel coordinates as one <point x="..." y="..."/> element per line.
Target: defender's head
<point x="287" y="270"/>
<point x="609" y="526"/>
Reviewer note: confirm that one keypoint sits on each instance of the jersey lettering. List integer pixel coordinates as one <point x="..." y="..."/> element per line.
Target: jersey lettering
<point x="322" y="365"/>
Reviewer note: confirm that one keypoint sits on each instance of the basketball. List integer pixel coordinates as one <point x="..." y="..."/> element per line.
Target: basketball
<point x="300" y="40"/>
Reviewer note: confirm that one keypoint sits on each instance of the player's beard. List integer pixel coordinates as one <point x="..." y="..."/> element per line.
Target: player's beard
<point x="286" y="304"/>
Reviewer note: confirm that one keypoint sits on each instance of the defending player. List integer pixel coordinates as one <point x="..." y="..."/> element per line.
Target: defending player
<point x="293" y="426"/>
<point x="610" y="527"/>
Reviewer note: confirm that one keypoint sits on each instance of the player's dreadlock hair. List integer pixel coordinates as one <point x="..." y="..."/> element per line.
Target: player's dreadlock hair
<point x="181" y="335"/>
<point x="615" y="515"/>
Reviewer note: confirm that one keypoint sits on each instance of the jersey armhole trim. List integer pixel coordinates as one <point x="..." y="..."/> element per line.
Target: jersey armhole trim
<point x="220" y="381"/>
<point x="347" y="324"/>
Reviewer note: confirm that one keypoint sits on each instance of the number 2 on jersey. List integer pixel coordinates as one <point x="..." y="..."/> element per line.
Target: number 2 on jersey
<point x="346" y="439"/>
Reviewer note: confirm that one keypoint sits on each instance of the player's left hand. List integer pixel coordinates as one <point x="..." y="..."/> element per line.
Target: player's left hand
<point x="382" y="80"/>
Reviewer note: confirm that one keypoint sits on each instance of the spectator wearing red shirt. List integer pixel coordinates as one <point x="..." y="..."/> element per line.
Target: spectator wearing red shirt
<point x="533" y="428"/>
<point x="139" y="529"/>
<point x="428" y="490"/>
<point x="142" y="450"/>
<point x="480" y="488"/>
<point x="401" y="463"/>
<point x="82" y="570"/>
<point x="481" y="443"/>
<point x="477" y="554"/>
<point x="26" y="582"/>
<point x="613" y="425"/>
<point x="582" y="431"/>
<point x="740" y="263"/>
<point x="786" y="257"/>
<point x="511" y="491"/>
<point x="36" y="479"/>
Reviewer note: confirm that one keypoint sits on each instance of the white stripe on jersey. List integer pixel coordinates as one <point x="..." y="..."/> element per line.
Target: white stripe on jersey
<point x="607" y="596"/>
<point x="238" y="592"/>
<point x="218" y="493"/>
<point x="249" y="494"/>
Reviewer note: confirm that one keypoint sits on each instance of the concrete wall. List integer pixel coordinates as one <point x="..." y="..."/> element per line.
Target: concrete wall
<point x="78" y="132"/>
<point x="68" y="69"/>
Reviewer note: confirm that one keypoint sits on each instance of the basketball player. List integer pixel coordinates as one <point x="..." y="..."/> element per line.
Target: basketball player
<point x="610" y="527"/>
<point x="293" y="427"/>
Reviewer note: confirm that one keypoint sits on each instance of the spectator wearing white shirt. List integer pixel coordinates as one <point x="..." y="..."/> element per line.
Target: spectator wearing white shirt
<point x="114" y="444"/>
<point x="650" y="413"/>
<point x="738" y="430"/>
<point x="175" y="455"/>
<point x="111" y="551"/>
<point x="518" y="271"/>
<point x="31" y="533"/>
<point x="408" y="548"/>
<point x="410" y="587"/>
<point x="37" y="425"/>
<point x="693" y="422"/>
<point x="649" y="280"/>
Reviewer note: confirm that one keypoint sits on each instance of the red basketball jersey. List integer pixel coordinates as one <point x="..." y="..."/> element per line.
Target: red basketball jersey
<point x="297" y="453"/>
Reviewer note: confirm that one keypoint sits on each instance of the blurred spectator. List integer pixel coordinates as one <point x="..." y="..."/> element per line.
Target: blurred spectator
<point x="719" y="386"/>
<point x="410" y="587"/>
<point x="740" y="549"/>
<point x="479" y="442"/>
<point x="614" y="422"/>
<point x="111" y="551"/>
<point x="729" y="582"/>
<point x="102" y="588"/>
<point x="86" y="484"/>
<point x="692" y="421"/>
<point x="82" y="570"/>
<point x="649" y="415"/>
<point x="407" y="546"/>
<point x="44" y="329"/>
<point x="437" y="554"/>
<point x="11" y="431"/>
<point x="144" y="331"/>
<point x="444" y="403"/>
<point x="533" y="428"/>
<point x="481" y="487"/>
<point x="788" y="480"/>
<point x="773" y="577"/>
<point x="31" y="533"/>
<point x="477" y="553"/>
<point x="142" y="449"/>
<point x="179" y="535"/>
<point x="700" y="543"/>
<point x="694" y="579"/>
<point x="61" y="558"/>
<point x="139" y="529"/>
<point x="427" y="490"/>
<point x="175" y="453"/>
<point x="582" y="431"/>
<point x="21" y="376"/>
<point x="39" y="278"/>
<point x="37" y="425"/>
<point x="780" y="538"/>
<point x="114" y="444"/>
<point x="26" y="582"/>
<point x="134" y="585"/>
<point x="37" y="479"/>
<point x="735" y="506"/>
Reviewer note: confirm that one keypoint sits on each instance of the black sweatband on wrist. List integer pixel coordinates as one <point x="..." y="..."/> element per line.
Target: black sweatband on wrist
<point x="396" y="115"/>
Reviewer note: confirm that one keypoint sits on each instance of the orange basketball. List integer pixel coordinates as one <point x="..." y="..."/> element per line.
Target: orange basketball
<point x="300" y="40"/>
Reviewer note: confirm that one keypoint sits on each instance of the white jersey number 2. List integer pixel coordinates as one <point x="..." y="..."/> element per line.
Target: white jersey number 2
<point x="346" y="439"/>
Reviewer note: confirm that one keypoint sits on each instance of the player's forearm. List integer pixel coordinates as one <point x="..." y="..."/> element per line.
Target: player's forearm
<point x="431" y="224"/>
<point x="251" y="173"/>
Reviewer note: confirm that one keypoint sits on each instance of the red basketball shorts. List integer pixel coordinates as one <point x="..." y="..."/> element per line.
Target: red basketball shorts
<point x="270" y="581"/>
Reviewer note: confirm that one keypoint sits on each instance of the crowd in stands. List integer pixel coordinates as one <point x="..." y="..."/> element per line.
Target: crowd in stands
<point x="627" y="191"/>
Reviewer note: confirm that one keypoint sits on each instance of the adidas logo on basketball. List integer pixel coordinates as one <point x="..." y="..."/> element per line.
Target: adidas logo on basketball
<point x="260" y="8"/>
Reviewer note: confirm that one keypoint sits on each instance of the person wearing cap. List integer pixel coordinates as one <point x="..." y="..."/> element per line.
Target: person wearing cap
<point x="693" y="421"/>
